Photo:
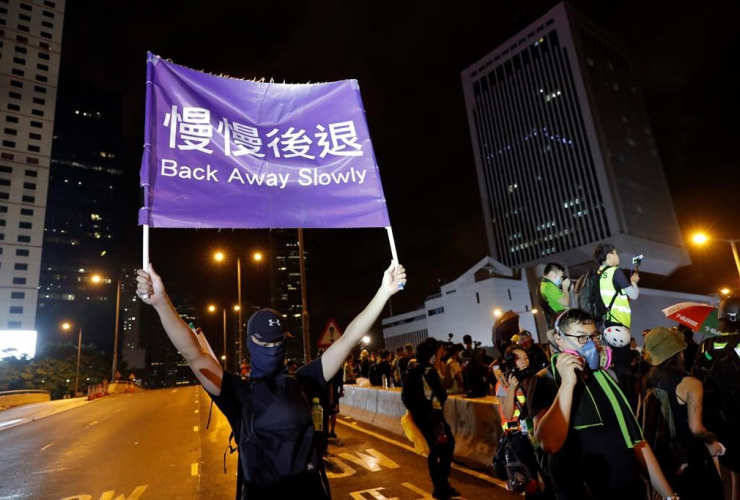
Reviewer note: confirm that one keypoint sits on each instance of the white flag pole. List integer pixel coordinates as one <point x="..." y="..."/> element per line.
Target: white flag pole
<point x="145" y="252"/>
<point x="394" y="252"/>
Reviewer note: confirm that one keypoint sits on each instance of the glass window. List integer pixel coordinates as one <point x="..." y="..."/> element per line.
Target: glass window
<point x="21" y="266"/>
<point x="19" y="281"/>
<point x="22" y="252"/>
<point x="17" y="295"/>
<point x="16" y="309"/>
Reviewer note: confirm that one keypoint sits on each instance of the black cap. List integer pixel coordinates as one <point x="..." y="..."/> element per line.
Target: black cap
<point x="267" y="325"/>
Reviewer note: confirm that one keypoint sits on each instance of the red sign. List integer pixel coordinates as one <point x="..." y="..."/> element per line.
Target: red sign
<point x="330" y="334"/>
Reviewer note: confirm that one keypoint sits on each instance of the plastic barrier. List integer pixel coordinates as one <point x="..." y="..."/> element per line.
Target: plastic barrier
<point x="9" y="399"/>
<point x="475" y="422"/>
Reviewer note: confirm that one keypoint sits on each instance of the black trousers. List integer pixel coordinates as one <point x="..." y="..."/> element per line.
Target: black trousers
<point x="440" y="455"/>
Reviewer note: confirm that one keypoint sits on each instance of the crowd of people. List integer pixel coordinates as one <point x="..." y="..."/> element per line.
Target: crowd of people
<point x="586" y="414"/>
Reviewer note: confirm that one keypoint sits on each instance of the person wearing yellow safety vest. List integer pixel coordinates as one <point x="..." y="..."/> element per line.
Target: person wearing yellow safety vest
<point x="614" y="287"/>
<point x="616" y="292"/>
<point x="717" y="365"/>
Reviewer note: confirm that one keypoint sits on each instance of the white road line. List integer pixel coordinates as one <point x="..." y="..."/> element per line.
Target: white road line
<point x="196" y="411"/>
<point x="174" y="390"/>
<point x="194" y="469"/>
<point x="10" y="422"/>
<point x="47" y="447"/>
<point x="195" y="428"/>
<point x="92" y="423"/>
<point x="462" y="469"/>
<point x="49" y="471"/>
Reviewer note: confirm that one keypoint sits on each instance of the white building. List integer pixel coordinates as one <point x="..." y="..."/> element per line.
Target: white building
<point x="468" y="305"/>
<point x="564" y="151"/>
<point x="30" y="51"/>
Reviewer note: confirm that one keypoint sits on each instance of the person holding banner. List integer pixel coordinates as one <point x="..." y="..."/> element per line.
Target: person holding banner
<point x="269" y="413"/>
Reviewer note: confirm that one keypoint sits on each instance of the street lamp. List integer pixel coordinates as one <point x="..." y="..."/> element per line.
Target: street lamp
<point x="211" y="309"/>
<point x="497" y="312"/>
<point x="701" y="238"/>
<point x="725" y="291"/>
<point x="220" y="257"/>
<point x="366" y="340"/>
<point x="66" y="326"/>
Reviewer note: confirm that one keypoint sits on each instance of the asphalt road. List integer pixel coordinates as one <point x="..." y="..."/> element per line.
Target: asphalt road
<point x="154" y="445"/>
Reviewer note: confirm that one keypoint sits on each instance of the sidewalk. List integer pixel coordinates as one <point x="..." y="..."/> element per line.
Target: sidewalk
<point x="28" y="413"/>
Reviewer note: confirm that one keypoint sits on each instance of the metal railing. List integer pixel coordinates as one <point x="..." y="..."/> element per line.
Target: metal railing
<point x="23" y="391"/>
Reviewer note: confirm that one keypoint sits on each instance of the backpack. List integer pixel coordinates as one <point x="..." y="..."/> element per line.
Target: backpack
<point x="659" y="429"/>
<point x="276" y="438"/>
<point x="588" y="295"/>
<point x="516" y="463"/>
<point x="374" y="375"/>
<point x="412" y="390"/>
<point x="722" y="385"/>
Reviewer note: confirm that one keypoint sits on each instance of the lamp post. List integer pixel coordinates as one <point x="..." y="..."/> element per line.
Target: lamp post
<point x="212" y="309"/>
<point x="220" y="257"/>
<point x="67" y="326"/>
<point x="701" y="239"/>
<point x="115" y="331"/>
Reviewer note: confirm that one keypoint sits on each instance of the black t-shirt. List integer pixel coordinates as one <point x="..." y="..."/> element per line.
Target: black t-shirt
<point x="234" y="390"/>
<point x="597" y="456"/>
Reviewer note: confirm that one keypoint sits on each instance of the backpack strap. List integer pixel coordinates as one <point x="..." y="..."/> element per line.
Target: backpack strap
<point x="616" y="291"/>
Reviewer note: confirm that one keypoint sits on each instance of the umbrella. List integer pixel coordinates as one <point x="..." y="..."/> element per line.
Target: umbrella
<point x="702" y="318"/>
<point x="505" y="327"/>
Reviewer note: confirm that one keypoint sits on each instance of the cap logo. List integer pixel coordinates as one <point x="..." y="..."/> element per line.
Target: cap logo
<point x="273" y="322"/>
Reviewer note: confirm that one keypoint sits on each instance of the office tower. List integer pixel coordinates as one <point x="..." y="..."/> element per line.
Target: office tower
<point x="564" y="152"/>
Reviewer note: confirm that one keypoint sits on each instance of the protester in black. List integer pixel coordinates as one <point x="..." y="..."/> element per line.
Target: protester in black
<point x="536" y="356"/>
<point x="584" y="423"/>
<point x="688" y="459"/>
<point x="424" y="397"/>
<point x="281" y="397"/>
<point x="717" y="365"/>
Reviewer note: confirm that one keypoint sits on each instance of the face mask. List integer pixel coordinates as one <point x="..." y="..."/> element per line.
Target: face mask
<point x="590" y="352"/>
<point x="266" y="361"/>
<point x="558" y="281"/>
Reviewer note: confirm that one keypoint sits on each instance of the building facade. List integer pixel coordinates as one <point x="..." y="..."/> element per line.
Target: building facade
<point x="30" y="52"/>
<point x="564" y="151"/>
<point x="83" y="237"/>
<point x="468" y="305"/>
<point x="285" y="278"/>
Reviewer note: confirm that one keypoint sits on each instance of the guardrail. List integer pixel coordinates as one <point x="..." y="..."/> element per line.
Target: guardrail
<point x="475" y="422"/>
<point x="8" y="399"/>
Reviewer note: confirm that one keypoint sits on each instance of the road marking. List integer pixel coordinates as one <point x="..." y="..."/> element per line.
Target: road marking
<point x="413" y="488"/>
<point x="174" y="391"/>
<point x="49" y="471"/>
<point x="460" y="468"/>
<point x="92" y="423"/>
<point x="194" y="469"/>
<point x="108" y="495"/>
<point x="374" y="493"/>
<point x="47" y="447"/>
<point x="10" y="422"/>
<point x="345" y="469"/>
<point x="371" y="463"/>
<point x="195" y="428"/>
<point x="196" y="411"/>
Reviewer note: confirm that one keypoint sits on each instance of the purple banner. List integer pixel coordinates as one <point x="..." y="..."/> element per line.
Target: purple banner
<point x="227" y="153"/>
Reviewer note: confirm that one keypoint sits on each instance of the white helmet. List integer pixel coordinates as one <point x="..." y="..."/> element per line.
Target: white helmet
<point x="617" y="336"/>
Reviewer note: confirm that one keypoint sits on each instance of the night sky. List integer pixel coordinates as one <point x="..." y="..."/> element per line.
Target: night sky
<point x="407" y="58"/>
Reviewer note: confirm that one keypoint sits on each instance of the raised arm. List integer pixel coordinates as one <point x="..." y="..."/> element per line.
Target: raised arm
<point x="552" y="425"/>
<point x="206" y="368"/>
<point x="336" y="354"/>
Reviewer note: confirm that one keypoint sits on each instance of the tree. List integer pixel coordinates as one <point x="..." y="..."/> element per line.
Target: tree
<point x="54" y="369"/>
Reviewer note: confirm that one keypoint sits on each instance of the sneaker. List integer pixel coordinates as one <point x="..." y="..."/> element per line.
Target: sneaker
<point x="332" y="434"/>
<point x="441" y="494"/>
<point x="453" y="492"/>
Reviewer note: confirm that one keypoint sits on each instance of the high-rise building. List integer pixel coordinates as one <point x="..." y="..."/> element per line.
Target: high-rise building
<point x="130" y="341"/>
<point x="83" y="235"/>
<point x="564" y="151"/>
<point x="285" y="280"/>
<point x="30" y="51"/>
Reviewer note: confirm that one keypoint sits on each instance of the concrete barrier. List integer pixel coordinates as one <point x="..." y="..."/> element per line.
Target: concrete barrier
<point x="475" y="423"/>
<point x="9" y="399"/>
<point x="123" y="386"/>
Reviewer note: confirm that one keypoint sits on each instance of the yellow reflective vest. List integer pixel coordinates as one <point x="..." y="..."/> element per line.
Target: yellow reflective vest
<point x="620" y="311"/>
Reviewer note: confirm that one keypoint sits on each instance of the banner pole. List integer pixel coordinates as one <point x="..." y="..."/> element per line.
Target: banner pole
<point x="394" y="253"/>
<point x="304" y="300"/>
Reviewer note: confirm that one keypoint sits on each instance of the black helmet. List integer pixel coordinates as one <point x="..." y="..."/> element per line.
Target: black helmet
<point x="729" y="309"/>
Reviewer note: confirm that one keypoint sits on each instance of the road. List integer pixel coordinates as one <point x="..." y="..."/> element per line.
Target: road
<point x="155" y="445"/>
